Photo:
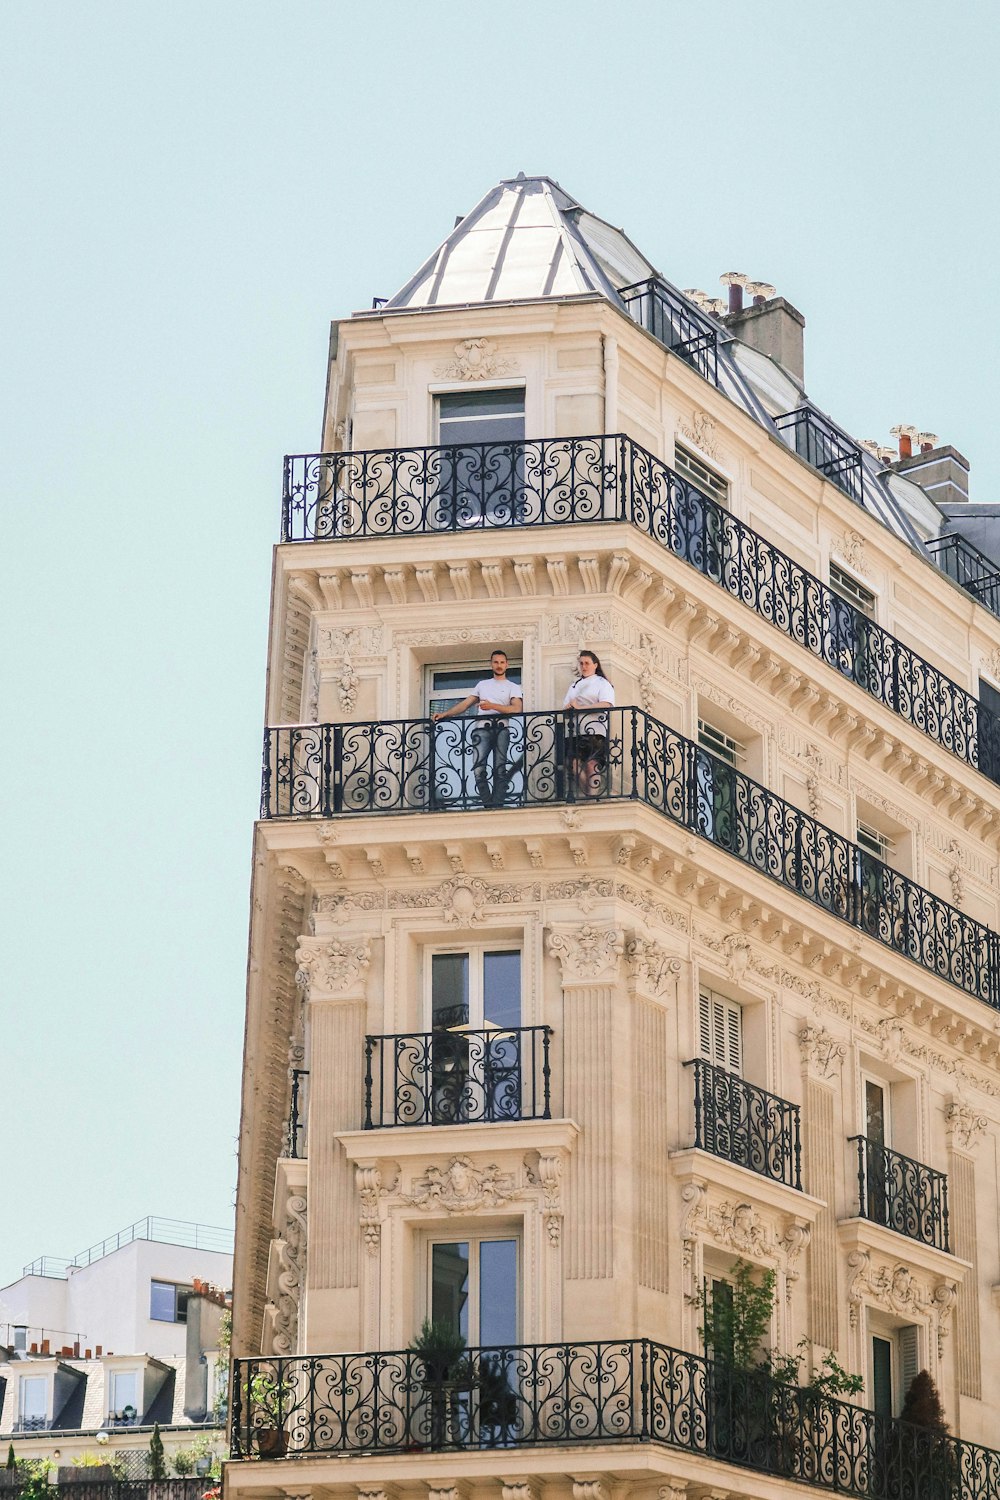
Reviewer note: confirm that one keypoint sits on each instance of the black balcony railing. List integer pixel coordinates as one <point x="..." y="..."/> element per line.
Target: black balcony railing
<point x="417" y="766"/>
<point x="393" y="492"/>
<point x="458" y="1076"/>
<point x="820" y="444"/>
<point x="658" y="309"/>
<point x="902" y="1194"/>
<point x="587" y="1393"/>
<point x="972" y="569"/>
<point x="129" y="1489"/>
<point x="745" y="1124"/>
<point x="295" y="1134"/>
<point x="32" y="1424"/>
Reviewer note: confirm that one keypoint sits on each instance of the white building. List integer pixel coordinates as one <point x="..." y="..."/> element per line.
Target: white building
<point x="122" y="1336"/>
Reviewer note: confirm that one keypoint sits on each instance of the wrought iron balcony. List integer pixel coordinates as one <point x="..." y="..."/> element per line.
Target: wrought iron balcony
<point x="295" y="1134"/>
<point x="628" y="1391"/>
<point x="902" y="1194"/>
<point x="32" y="1424"/>
<point x="970" y="568"/>
<point x="417" y="766"/>
<point x="458" y="1076"/>
<point x="816" y="440"/>
<point x="592" y="480"/>
<point x="658" y="309"/>
<point x="745" y="1124"/>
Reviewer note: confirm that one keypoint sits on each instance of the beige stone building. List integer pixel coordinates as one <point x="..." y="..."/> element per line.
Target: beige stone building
<point x="559" y="1017"/>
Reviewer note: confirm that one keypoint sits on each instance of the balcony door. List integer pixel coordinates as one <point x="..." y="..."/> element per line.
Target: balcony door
<point x="479" y="478"/>
<point x="475" y="1019"/>
<point x="454" y="743"/>
<point x="894" y="1359"/>
<point x="474" y="1289"/>
<point x="33" y="1403"/>
<point x="876" y="1105"/>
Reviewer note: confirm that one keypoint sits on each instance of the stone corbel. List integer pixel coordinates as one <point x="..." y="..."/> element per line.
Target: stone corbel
<point x="544" y="1170"/>
<point x="374" y="1180"/>
<point x="964" y="1126"/>
<point x="822" y="1056"/>
<point x="652" y="972"/>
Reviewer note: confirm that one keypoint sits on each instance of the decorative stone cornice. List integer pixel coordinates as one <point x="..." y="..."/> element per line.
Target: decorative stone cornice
<point x="894" y="1287"/>
<point x="330" y="967"/>
<point x="740" y="1227"/>
<point x="587" y="955"/>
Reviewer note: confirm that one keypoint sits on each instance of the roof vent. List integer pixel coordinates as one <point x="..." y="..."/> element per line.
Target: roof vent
<point x="904" y="434"/>
<point x="927" y="441"/>
<point x="735" y="281"/>
<point x="699" y="298"/>
<point x="761" y="292"/>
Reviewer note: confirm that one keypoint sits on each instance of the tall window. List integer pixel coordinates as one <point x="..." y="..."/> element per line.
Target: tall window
<point x="989" y="730"/>
<point x="846" y="638"/>
<point x="477" y="486"/>
<point x="449" y="684"/>
<point x="895" y="1360"/>
<point x="33" y="1402"/>
<point x="720" y="1031"/>
<point x="123" y="1396"/>
<point x="716" y="784"/>
<point x="474" y="1288"/>
<point x="475" y="1015"/>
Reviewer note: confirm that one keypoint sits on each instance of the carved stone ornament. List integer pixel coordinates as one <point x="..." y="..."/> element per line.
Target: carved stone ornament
<point x="650" y="967"/>
<point x="374" y="1183"/>
<point x="475" y="359"/>
<point x="329" y="966"/>
<point x="851" y="548"/>
<point x="992" y="664"/>
<point x="964" y="1125"/>
<point x="466" y="900"/>
<point x="291" y="1271"/>
<point x="461" y="1187"/>
<point x="892" y="1287"/>
<point x="546" y="1172"/>
<point x="518" y="1489"/>
<point x="587" y="953"/>
<point x="739" y="1227"/>
<point x="822" y="1056"/>
<point x="701" y="432"/>
<point x="589" y="1489"/>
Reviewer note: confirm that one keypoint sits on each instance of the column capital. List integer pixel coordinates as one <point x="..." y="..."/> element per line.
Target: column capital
<point x="333" y="968"/>
<point x="587" y="955"/>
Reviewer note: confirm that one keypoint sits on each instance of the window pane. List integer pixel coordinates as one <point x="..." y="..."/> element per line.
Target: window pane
<point x="463" y="404"/>
<point x="449" y="989"/>
<point x="502" y="988"/>
<point x="34" y="1396"/>
<point x="450" y="1287"/>
<point x="481" y="417"/>
<point x="875" y="1112"/>
<point x="124" y="1391"/>
<point x="181" y="1314"/>
<point x="498" y="1292"/>
<point x="162" y="1303"/>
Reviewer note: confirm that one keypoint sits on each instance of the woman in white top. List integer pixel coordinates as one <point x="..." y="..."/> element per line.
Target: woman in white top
<point x="587" y="743"/>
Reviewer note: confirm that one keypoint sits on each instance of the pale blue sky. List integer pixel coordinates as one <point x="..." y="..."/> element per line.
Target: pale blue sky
<point x="191" y="193"/>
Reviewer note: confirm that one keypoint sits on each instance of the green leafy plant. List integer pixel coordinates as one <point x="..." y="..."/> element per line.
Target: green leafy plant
<point x="11" y="1460"/>
<point x="220" y="1407"/>
<point x="737" y="1319"/>
<point x="92" y="1461"/>
<point x="442" y="1351"/>
<point x="183" y="1462"/>
<point x="35" y="1483"/>
<point x="157" y="1460"/>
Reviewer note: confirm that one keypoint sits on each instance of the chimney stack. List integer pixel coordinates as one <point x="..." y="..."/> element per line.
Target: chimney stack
<point x="772" y="325"/>
<point x="97" y="1350"/>
<point x="927" y="441"/>
<point x="904" y="433"/>
<point x="45" y="1346"/>
<point x="735" y="281"/>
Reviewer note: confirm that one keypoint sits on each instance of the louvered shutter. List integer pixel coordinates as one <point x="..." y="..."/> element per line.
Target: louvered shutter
<point x="909" y="1358"/>
<point x="720" y="1031"/>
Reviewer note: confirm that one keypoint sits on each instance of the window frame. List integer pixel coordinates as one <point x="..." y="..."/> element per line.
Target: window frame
<point x="515" y="668"/>
<point x="477" y="987"/>
<point x="695" y="470"/>
<point x="500" y="388"/>
<point x="474" y="1237"/>
<point x="45" y="1381"/>
<point x="850" y="588"/>
<point x="179" y="1288"/>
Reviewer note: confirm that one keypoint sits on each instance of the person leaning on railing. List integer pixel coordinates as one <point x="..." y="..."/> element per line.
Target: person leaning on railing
<point x="497" y="698"/>
<point x="587" y="743"/>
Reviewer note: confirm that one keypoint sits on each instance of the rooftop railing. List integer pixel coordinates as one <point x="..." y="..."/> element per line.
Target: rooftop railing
<point x="413" y="766"/>
<point x="658" y="309"/>
<point x="970" y="568"/>
<point x="165" y="1231"/>
<point x="829" y="451"/>
<point x="595" y="480"/>
<point x="628" y="1391"/>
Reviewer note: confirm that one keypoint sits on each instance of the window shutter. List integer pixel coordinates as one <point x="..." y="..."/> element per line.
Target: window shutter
<point x="720" y="1031"/>
<point x="909" y="1357"/>
<point x="705" y="1025"/>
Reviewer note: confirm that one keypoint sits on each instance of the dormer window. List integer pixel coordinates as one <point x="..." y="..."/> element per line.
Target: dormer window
<point x="123" y="1398"/>
<point x="33" y="1403"/>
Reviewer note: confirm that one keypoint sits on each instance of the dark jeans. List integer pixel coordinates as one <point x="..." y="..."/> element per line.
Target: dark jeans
<point x="491" y="741"/>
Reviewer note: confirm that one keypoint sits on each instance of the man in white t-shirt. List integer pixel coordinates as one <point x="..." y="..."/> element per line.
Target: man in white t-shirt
<point x="497" y="698"/>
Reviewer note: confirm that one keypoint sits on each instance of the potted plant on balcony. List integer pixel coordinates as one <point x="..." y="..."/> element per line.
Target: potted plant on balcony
<point x="921" y="1443"/>
<point x="496" y="1402"/>
<point x="441" y="1351"/>
<point x="269" y="1393"/>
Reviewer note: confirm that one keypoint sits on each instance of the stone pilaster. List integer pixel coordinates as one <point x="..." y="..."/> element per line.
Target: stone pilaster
<point x="965" y="1128"/>
<point x="822" y="1060"/>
